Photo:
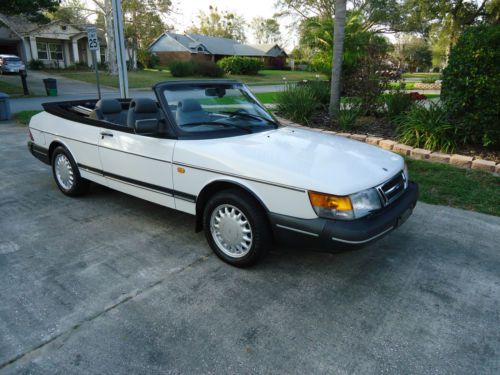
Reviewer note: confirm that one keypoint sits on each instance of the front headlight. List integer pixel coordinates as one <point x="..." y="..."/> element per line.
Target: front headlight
<point x="331" y="206"/>
<point x="365" y="202"/>
<point x="345" y="207"/>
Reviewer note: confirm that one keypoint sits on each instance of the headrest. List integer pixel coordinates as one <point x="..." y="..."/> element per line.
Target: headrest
<point x="189" y="105"/>
<point x="107" y="106"/>
<point x="144" y="105"/>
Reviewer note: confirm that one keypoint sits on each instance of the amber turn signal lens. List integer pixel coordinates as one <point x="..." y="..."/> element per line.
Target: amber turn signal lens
<point x="181" y="170"/>
<point x="332" y="202"/>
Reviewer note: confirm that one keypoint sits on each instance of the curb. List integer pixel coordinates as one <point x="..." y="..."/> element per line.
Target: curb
<point x="461" y="161"/>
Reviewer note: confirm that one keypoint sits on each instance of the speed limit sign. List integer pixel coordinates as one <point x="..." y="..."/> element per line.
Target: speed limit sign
<point x="92" y="38"/>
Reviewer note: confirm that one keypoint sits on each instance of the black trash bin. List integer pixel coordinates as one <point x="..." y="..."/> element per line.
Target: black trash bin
<point x="50" y="86"/>
<point x="4" y="107"/>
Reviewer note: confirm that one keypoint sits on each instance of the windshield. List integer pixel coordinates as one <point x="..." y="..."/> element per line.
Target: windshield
<point x="12" y="59"/>
<point x="216" y="107"/>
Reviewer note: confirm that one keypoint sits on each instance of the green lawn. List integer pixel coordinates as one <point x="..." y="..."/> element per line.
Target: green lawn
<point x="456" y="187"/>
<point x="422" y="75"/>
<point x="407" y="85"/>
<point x="24" y="117"/>
<point x="148" y="77"/>
<point x="9" y="89"/>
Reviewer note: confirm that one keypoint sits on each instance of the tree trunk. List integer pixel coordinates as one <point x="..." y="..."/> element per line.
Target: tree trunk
<point x="338" y="49"/>
<point x="110" y="38"/>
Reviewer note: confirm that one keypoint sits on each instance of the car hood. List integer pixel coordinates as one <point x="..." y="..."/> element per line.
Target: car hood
<point x="294" y="157"/>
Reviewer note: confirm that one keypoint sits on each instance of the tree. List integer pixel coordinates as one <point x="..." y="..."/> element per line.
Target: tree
<point x="470" y="85"/>
<point x="143" y="23"/>
<point x="445" y="20"/>
<point x="266" y="30"/>
<point x="338" y="49"/>
<point x="105" y="19"/>
<point x="413" y="53"/>
<point x="222" y="24"/>
<point x="72" y="12"/>
<point x="33" y="10"/>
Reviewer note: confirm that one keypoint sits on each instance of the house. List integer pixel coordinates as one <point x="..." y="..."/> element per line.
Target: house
<point x="55" y="44"/>
<point x="171" y="46"/>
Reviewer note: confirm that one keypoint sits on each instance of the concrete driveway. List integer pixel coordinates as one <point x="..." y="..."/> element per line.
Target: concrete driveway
<point x="110" y="284"/>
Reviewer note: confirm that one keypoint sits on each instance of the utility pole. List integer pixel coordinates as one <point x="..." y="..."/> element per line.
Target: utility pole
<point x="120" y="48"/>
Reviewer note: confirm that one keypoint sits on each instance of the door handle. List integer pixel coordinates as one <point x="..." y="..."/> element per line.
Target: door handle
<point x="106" y="134"/>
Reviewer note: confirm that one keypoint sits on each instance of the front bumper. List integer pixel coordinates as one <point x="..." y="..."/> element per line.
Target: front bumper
<point x="327" y="233"/>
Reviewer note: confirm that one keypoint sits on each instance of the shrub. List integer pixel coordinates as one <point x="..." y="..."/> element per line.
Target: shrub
<point x="36" y="65"/>
<point x="319" y="89"/>
<point x="207" y="69"/>
<point x="195" y="68"/>
<point x="428" y="80"/>
<point x="181" y="68"/>
<point x="426" y="126"/>
<point x="470" y="85"/>
<point x="348" y="114"/>
<point x="416" y="96"/>
<point x="146" y="59"/>
<point x="397" y="103"/>
<point x="296" y="102"/>
<point x="240" y="65"/>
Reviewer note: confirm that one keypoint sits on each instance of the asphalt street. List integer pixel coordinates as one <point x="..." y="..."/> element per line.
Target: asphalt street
<point x="110" y="284"/>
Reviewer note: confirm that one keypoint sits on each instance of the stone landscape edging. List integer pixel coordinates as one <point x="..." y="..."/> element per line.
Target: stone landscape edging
<point x="457" y="160"/>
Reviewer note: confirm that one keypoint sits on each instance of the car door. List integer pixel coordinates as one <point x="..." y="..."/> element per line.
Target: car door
<point x="139" y="165"/>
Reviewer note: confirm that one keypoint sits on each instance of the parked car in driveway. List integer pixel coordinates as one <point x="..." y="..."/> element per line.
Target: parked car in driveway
<point x="11" y="64"/>
<point x="209" y="148"/>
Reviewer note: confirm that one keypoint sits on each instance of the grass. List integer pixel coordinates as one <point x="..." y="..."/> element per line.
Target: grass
<point x="407" y="85"/>
<point x="9" y="89"/>
<point x="267" y="97"/>
<point x="456" y="187"/>
<point x="148" y="77"/>
<point x="422" y="75"/>
<point x="24" y="117"/>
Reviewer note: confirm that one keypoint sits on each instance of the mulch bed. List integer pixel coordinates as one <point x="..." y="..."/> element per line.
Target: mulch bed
<point x="380" y="127"/>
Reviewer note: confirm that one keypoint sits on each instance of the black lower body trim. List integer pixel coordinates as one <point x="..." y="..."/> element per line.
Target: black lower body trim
<point x="39" y="152"/>
<point x="146" y="185"/>
<point x="325" y="233"/>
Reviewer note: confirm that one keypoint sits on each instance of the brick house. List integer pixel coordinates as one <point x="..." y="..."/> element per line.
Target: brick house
<point x="172" y="46"/>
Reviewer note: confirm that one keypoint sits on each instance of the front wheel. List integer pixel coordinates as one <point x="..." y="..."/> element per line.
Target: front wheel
<point x="66" y="173"/>
<point x="236" y="228"/>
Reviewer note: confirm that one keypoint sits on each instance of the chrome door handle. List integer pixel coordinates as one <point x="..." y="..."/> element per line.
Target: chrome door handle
<point x="106" y="134"/>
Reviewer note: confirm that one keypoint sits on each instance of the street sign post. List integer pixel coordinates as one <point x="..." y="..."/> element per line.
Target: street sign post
<point x="120" y="47"/>
<point x="93" y="44"/>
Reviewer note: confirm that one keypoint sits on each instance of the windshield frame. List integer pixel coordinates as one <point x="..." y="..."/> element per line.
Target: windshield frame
<point x="161" y="87"/>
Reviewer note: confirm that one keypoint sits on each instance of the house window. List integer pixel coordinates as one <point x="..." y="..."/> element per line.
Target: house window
<point x="102" y="52"/>
<point x="56" y="51"/>
<point x="42" y="51"/>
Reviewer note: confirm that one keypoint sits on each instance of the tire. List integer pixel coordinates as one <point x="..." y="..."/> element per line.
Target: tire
<point x="66" y="174"/>
<point x="236" y="228"/>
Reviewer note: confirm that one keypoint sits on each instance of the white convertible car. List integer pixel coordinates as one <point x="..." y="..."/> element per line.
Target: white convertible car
<point x="209" y="148"/>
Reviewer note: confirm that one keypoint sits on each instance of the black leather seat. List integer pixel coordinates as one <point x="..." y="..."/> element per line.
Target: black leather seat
<point x="142" y="109"/>
<point x="189" y="110"/>
<point x="109" y="110"/>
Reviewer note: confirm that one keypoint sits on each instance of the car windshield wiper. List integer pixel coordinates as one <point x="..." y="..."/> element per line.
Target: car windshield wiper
<point x="198" y="123"/>
<point x="249" y="115"/>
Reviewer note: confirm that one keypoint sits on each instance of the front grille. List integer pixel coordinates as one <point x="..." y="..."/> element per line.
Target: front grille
<point x="389" y="191"/>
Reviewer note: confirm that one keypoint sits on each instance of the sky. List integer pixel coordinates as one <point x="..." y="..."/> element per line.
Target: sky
<point x="187" y="11"/>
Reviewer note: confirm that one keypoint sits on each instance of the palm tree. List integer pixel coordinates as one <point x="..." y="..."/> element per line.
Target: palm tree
<point x="338" y="49"/>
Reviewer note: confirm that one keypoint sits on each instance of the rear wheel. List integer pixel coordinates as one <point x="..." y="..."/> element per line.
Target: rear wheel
<point x="66" y="173"/>
<point x="236" y="228"/>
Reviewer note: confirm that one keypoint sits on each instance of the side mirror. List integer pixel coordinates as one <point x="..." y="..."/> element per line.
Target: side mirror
<point x="148" y="126"/>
